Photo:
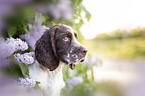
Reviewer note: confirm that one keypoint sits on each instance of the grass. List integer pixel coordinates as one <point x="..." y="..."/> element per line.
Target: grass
<point x="117" y="48"/>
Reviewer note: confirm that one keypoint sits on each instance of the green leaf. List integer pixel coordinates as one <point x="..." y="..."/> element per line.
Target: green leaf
<point x="80" y="24"/>
<point x="12" y="30"/>
<point x="13" y="71"/>
<point x="23" y="66"/>
<point x="37" y="85"/>
<point x="39" y="19"/>
<point x="21" y="29"/>
<point x="13" y="59"/>
<point x="88" y="15"/>
<point x="24" y="69"/>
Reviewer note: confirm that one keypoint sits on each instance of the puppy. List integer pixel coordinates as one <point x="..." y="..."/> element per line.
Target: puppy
<point x="58" y="46"/>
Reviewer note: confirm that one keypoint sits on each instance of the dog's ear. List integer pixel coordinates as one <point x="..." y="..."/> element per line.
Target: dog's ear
<point x="45" y="50"/>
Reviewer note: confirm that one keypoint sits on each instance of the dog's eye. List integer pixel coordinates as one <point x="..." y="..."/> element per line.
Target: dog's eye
<point x="66" y="38"/>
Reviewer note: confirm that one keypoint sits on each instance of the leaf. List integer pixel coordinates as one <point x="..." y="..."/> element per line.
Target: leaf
<point x="23" y="66"/>
<point x="37" y="85"/>
<point x="24" y="69"/>
<point x="39" y="19"/>
<point x="79" y="2"/>
<point x="12" y="70"/>
<point x="80" y="23"/>
<point x="21" y="29"/>
<point x="12" y="30"/>
<point x="13" y="59"/>
<point x="88" y="15"/>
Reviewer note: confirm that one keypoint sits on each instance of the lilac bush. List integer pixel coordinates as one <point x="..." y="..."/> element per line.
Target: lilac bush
<point x="35" y="31"/>
<point x="8" y="47"/>
<point x="29" y="24"/>
<point x="17" y="43"/>
<point x="27" y="58"/>
<point x="26" y="82"/>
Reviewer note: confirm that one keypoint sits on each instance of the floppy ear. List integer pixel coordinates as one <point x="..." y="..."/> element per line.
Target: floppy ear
<point x="45" y="51"/>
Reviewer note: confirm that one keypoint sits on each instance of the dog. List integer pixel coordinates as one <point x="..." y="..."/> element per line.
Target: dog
<point x="57" y="47"/>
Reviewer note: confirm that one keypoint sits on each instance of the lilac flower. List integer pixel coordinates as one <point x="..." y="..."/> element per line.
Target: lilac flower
<point x="26" y="82"/>
<point x="18" y="43"/>
<point x="6" y="50"/>
<point x="30" y="54"/>
<point x="8" y="47"/>
<point x="35" y="32"/>
<point x="27" y="58"/>
<point x="11" y="45"/>
<point x="73" y="82"/>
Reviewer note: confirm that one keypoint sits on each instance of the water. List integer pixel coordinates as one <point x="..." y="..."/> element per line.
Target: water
<point x="130" y="74"/>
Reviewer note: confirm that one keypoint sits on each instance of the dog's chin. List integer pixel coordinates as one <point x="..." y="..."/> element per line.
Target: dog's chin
<point x="73" y="64"/>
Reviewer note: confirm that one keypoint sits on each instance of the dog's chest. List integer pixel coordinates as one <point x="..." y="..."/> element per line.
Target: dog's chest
<point x="51" y="82"/>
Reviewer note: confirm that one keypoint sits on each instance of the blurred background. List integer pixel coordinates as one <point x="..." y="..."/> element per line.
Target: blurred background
<point x="112" y="30"/>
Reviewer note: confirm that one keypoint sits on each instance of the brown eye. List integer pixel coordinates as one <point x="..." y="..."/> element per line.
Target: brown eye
<point x="66" y="39"/>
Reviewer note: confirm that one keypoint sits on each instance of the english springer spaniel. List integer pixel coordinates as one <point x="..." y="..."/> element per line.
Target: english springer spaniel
<point x="56" y="47"/>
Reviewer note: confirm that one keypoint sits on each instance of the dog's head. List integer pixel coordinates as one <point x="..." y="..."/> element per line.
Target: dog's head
<point x="59" y="43"/>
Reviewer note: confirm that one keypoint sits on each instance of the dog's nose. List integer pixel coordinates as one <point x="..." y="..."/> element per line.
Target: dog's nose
<point x="84" y="50"/>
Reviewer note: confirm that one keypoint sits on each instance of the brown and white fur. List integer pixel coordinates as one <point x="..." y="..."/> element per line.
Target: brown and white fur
<point x="57" y="47"/>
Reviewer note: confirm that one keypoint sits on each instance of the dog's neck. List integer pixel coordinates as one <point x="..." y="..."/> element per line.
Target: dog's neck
<point x="51" y="82"/>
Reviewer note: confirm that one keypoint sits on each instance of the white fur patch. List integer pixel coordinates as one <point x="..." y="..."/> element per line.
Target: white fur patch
<point x="51" y="82"/>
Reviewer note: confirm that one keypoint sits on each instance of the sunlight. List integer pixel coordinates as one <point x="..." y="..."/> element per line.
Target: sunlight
<point x="109" y="15"/>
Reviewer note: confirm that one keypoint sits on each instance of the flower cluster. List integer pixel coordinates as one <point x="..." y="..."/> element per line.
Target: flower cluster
<point x="63" y="9"/>
<point x="35" y="31"/>
<point x="73" y="82"/>
<point x="30" y="83"/>
<point x="8" y="47"/>
<point x="18" y="43"/>
<point x="27" y="58"/>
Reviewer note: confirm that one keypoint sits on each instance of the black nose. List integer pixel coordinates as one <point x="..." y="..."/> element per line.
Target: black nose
<point x="84" y="51"/>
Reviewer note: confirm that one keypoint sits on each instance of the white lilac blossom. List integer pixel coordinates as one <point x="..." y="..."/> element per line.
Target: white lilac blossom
<point x="60" y="9"/>
<point x="18" y="43"/>
<point x="35" y="31"/>
<point x="6" y="50"/>
<point x="8" y="47"/>
<point x="27" y="58"/>
<point x="26" y="82"/>
<point x="73" y="82"/>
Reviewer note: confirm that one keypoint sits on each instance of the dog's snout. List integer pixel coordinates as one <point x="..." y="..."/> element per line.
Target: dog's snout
<point x="84" y="50"/>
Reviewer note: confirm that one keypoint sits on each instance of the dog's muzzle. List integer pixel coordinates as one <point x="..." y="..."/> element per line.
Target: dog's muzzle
<point x="77" y="55"/>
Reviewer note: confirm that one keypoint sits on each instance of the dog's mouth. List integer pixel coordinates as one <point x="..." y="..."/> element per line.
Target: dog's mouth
<point x="82" y="60"/>
<point x="74" y="64"/>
